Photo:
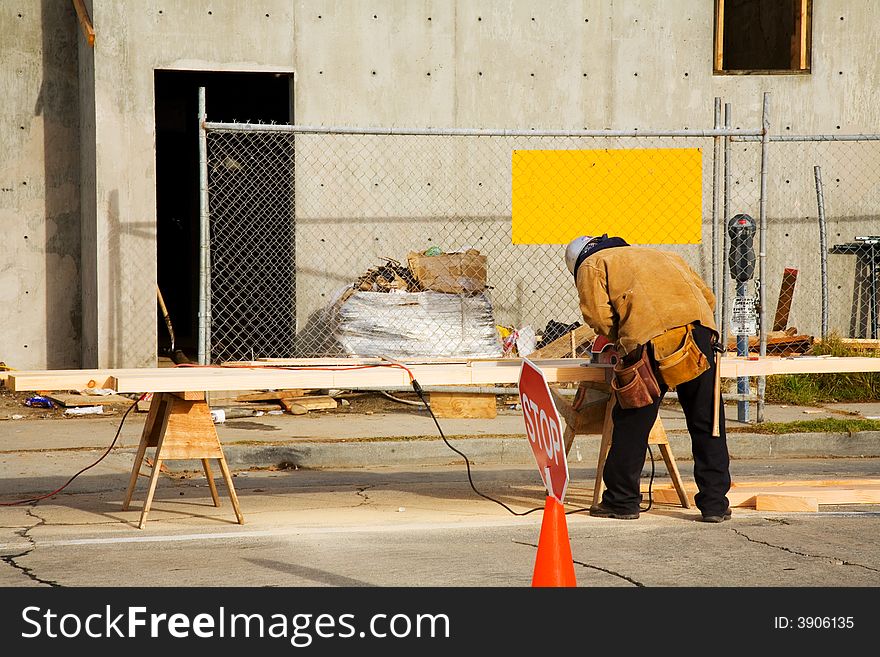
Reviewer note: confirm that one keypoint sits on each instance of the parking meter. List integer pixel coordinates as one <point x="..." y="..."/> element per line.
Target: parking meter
<point x="741" y="259"/>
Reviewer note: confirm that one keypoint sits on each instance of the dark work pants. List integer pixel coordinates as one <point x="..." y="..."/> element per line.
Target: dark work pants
<point x="629" y="442"/>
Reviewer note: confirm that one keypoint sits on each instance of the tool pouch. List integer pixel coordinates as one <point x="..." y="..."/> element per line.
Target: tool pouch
<point x="678" y="357"/>
<point x="634" y="384"/>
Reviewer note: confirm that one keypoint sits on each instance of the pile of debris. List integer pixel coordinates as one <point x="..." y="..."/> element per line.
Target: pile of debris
<point x="435" y="306"/>
<point x="385" y="278"/>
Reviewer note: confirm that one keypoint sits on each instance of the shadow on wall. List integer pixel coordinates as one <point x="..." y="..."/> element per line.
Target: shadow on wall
<point x="58" y="106"/>
<point x="316" y="338"/>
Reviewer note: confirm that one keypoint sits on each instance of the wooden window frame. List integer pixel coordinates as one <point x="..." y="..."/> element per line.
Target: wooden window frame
<point x="804" y="52"/>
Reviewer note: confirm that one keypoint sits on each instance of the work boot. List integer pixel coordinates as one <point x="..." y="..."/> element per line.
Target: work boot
<point x="600" y="511"/>
<point x="717" y="518"/>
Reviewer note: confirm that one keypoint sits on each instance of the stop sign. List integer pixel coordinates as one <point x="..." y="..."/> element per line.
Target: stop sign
<point x="543" y="428"/>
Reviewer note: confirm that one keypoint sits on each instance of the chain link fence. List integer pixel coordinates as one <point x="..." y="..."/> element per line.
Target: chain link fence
<point x="349" y="242"/>
<point x="825" y="209"/>
<point x="337" y="243"/>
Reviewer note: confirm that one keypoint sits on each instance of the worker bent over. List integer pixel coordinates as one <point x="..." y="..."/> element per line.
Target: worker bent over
<point x="659" y="313"/>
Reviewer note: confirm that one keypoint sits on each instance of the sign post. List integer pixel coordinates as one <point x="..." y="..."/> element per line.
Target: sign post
<point x="544" y="429"/>
<point x="554" y="565"/>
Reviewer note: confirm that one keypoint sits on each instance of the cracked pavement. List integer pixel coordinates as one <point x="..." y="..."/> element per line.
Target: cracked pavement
<point x="408" y="526"/>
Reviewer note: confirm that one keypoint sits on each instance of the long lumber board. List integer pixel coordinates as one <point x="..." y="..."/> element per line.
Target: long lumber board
<point x="317" y="374"/>
<point x="770" y="365"/>
<point x="731" y="366"/>
<point x="179" y="379"/>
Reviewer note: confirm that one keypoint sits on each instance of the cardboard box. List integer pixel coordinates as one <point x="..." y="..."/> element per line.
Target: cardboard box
<point x="453" y="273"/>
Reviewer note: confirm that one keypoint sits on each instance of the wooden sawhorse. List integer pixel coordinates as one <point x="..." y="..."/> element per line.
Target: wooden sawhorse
<point x="590" y="413"/>
<point x="179" y="426"/>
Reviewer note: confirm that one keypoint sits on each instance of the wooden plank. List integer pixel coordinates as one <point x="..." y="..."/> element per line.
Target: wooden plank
<point x="315" y="402"/>
<point x="270" y="395"/>
<point x="66" y="379"/>
<point x="786" y="294"/>
<point x="71" y="401"/>
<point x="773" y="502"/>
<point x="806" y="19"/>
<point x="463" y="404"/>
<point x="745" y="494"/>
<point x="501" y="371"/>
<point x="732" y="367"/>
<point x="566" y="345"/>
<point x="563" y="370"/>
<point x="719" y="35"/>
<point x="189" y="433"/>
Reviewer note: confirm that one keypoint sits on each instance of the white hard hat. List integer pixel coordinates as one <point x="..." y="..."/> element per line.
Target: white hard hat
<point x="573" y="250"/>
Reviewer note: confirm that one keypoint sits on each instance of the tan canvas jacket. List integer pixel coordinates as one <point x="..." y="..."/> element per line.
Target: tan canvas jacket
<point x="632" y="294"/>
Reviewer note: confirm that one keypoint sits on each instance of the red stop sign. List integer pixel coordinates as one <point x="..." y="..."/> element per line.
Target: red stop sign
<point x="543" y="428"/>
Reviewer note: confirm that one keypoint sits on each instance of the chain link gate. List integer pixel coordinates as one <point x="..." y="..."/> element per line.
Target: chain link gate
<point x="299" y="217"/>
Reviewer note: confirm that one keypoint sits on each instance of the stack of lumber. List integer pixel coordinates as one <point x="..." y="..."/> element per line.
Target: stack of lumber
<point x="779" y="343"/>
<point x="784" y="496"/>
<point x="294" y="401"/>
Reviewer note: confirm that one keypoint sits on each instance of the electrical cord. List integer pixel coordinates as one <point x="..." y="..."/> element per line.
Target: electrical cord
<point x="402" y="401"/>
<point x="418" y="390"/>
<point x="34" y="500"/>
<point x="421" y="394"/>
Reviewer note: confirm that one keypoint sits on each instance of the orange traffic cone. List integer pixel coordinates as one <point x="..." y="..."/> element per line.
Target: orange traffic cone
<point x="554" y="565"/>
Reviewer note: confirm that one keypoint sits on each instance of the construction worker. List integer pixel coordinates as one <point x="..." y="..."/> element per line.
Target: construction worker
<point x="659" y="314"/>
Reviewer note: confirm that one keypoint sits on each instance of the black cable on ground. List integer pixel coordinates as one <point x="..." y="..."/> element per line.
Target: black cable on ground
<point x="33" y="500"/>
<point x="421" y="394"/>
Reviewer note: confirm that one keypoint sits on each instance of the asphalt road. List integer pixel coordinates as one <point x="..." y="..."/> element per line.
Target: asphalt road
<point x="415" y="527"/>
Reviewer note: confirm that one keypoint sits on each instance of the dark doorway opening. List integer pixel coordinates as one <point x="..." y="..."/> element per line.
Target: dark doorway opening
<point x="240" y="97"/>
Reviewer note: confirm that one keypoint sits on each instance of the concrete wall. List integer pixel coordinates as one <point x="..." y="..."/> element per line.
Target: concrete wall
<point x="39" y="185"/>
<point x="133" y="39"/>
<point x="79" y="130"/>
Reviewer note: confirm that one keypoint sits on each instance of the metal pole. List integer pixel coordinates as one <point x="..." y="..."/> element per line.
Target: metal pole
<point x="476" y="132"/>
<point x="823" y="249"/>
<point x="875" y="324"/>
<point x="204" y="241"/>
<point x="716" y="188"/>
<point x="725" y="216"/>
<point x="742" y="382"/>
<point x="762" y="249"/>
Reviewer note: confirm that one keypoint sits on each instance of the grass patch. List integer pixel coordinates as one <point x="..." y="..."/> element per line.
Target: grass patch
<point x="807" y="389"/>
<point x="825" y="425"/>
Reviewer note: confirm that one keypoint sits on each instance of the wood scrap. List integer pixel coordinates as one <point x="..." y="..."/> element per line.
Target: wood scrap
<point x="800" y="493"/>
<point x="308" y="403"/>
<point x="786" y="294"/>
<point x="271" y="395"/>
<point x="779" y="343"/>
<point x="290" y="405"/>
<point x="73" y="401"/>
<point x="561" y="347"/>
<point x="777" y="502"/>
<point x="463" y="404"/>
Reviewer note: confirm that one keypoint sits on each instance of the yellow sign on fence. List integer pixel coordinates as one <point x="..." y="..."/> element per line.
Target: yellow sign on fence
<point x="644" y="195"/>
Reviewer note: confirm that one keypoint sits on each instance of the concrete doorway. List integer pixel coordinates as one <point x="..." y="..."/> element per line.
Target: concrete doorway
<point x="238" y="97"/>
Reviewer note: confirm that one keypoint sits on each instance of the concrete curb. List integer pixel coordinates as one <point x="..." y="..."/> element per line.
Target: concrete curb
<point x="514" y="450"/>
